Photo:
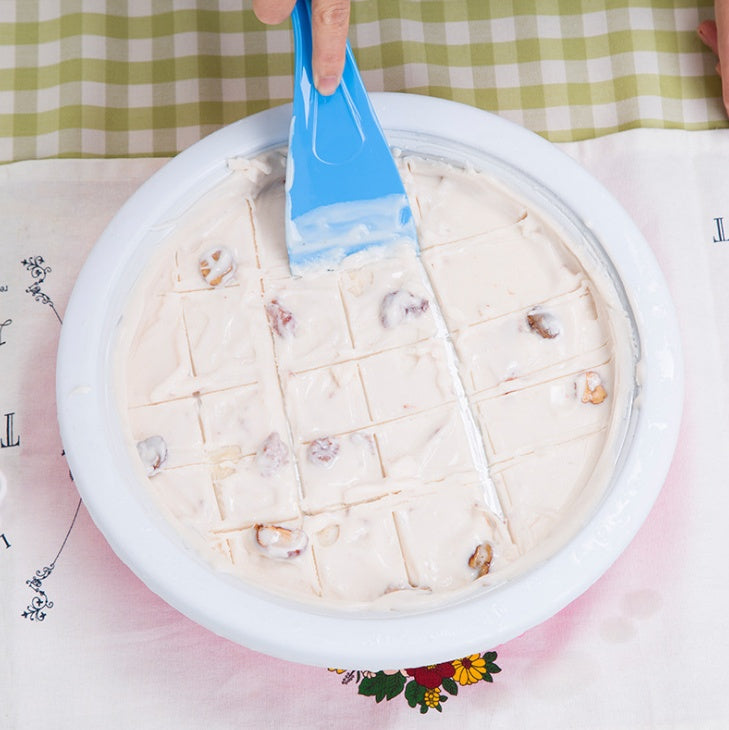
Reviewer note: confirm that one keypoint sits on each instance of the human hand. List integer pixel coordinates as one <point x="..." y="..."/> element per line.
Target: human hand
<point x="329" y="25"/>
<point x="715" y="34"/>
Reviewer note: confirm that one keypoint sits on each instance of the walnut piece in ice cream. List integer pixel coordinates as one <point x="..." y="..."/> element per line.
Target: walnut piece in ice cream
<point x="281" y="542"/>
<point x="217" y="266"/>
<point x="153" y="453"/>
<point x="481" y="558"/>
<point x="593" y="392"/>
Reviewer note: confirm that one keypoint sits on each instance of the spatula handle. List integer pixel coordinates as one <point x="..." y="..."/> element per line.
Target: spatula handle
<point x="335" y="131"/>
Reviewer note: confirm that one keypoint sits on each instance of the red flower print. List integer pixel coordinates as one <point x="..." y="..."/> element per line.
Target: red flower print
<point x="432" y="675"/>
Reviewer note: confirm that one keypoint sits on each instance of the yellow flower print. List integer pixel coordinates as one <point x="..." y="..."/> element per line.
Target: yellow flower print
<point x="432" y="697"/>
<point x="470" y="669"/>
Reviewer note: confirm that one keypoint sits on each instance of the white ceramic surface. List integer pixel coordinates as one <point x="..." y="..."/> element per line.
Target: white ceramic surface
<point x="92" y="433"/>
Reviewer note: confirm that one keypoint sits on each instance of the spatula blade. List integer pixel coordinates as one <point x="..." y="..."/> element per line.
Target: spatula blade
<point x="344" y="193"/>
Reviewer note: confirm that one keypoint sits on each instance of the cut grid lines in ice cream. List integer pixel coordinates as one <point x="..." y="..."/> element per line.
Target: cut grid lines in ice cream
<point x="456" y="205"/>
<point x="326" y="404"/>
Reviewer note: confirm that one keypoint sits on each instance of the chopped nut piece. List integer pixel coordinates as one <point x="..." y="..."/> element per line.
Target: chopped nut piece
<point x="272" y="454"/>
<point x="594" y="392"/>
<point x="222" y="471"/>
<point x="363" y="440"/>
<point x="397" y="306"/>
<point x="281" y="542"/>
<point x="481" y="559"/>
<point x="217" y="266"/>
<point x="153" y="453"/>
<point x="545" y="324"/>
<point x="281" y="320"/>
<point x="328" y="536"/>
<point x="323" y="451"/>
<point x="226" y="453"/>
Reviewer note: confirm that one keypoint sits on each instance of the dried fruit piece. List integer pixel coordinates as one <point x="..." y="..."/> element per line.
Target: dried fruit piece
<point x="153" y="453"/>
<point x="272" y="454"/>
<point x="481" y="559"/>
<point x="281" y="542"/>
<point x="593" y="392"/>
<point x="397" y="306"/>
<point x="217" y="266"/>
<point x="281" y="320"/>
<point x="544" y="323"/>
<point x="323" y="451"/>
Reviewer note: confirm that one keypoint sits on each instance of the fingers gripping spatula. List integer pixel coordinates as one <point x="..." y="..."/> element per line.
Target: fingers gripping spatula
<point x="344" y="195"/>
<point x="344" y="192"/>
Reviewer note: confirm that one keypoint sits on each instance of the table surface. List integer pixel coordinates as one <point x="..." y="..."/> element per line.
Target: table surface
<point x="112" y="79"/>
<point x="116" y="79"/>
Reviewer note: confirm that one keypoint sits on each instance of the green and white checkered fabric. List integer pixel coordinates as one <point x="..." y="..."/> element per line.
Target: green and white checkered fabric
<point x="115" y="78"/>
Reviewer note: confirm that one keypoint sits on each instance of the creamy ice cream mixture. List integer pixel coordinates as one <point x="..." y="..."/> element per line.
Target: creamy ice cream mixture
<point x="321" y="437"/>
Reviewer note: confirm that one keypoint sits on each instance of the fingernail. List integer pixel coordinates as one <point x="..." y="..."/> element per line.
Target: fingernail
<point x="327" y="85"/>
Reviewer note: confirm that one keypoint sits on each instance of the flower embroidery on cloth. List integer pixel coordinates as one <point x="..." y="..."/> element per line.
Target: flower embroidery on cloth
<point x="433" y="675"/>
<point x="470" y="669"/>
<point x="424" y="687"/>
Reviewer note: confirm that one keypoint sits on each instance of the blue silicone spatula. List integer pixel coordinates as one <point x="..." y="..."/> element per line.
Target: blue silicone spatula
<point x="343" y="190"/>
